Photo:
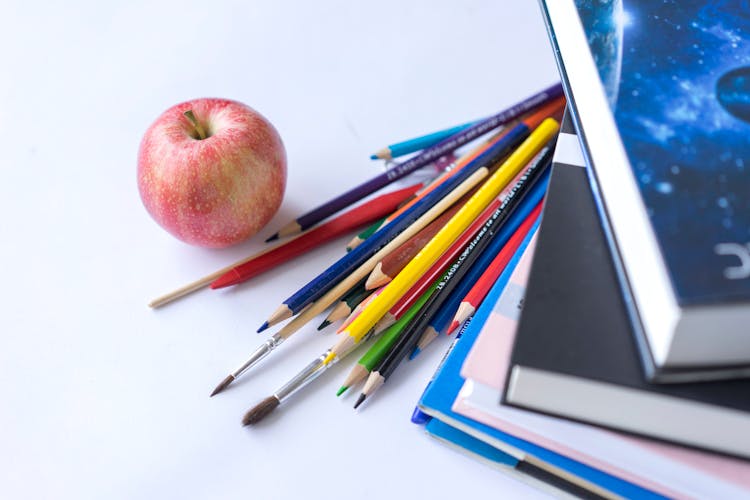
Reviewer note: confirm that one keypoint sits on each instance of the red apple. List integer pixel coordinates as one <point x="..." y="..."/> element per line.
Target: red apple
<point x="212" y="172"/>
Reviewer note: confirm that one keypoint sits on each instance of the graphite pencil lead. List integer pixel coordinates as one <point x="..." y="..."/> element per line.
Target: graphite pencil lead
<point x="360" y="400"/>
<point x="324" y="324"/>
<point x="260" y="411"/>
<point x="223" y="385"/>
<point x="273" y="237"/>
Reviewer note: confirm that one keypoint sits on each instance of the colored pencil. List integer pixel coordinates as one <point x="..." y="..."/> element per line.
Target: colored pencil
<point x="418" y="143"/>
<point x="348" y="302"/>
<point x="375" y="353"/>
<point x="450" y="232"/>
<point x="478" y="253"/>
<point x="347" y="221"/>
<point x="405" y="342"/>
<point x="356" y="217"/>
<point x="396" y="260"/>
<point x="344" y="285"/>
<point x="459" y="164"/>
<point x="447" y="162"/>
<point x="478" y="292"/>
<point x="357" y="310"/>
<point x="357" y="240"/>
<point x="445" y="260"/>
<point x="344" y="266"/>
<point x="507" y="242"/>
<point x="427" y="156"/>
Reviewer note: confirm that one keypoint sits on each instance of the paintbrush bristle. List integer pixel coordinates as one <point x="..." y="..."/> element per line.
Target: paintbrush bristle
<point x="260" y="411"/>
<point x="223" y="385"/>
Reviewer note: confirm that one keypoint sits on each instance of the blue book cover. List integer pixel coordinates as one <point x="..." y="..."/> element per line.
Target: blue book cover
<point x="521" y="470"/>
<point x="441" y="392"/>
<point x="661" y="97"/>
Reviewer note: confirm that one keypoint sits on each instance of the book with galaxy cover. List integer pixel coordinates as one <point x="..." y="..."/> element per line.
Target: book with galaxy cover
<point x="574" y="355"/>
<point x="660" y="92"/>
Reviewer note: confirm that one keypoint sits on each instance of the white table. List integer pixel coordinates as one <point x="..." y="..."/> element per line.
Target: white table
<point x="105" y="398"/>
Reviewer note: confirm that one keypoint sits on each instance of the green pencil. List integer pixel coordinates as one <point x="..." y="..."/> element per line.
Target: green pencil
<point x="348" y="302"/>
<point x="357" y="240"/>
<point x="369" y="359"/>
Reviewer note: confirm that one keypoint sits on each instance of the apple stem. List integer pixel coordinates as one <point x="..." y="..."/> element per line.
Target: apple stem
<point x="190" y="116"/>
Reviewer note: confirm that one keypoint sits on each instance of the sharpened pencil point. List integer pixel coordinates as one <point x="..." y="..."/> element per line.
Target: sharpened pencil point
<point x="360" y="400"/>
<point x="263" y="326"/>
<point x="260" y="411"/>
<point x="272" y="238"/>
<point x="414" y="353"/>
<point x="223" y="385"/>
<point x="453" y="327"/>
<point x="374" y="157"/>
<point x="324" y="324"/>
<point x="341" y="390"/>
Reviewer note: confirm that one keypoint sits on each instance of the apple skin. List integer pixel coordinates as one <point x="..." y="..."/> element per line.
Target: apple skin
<point x="217" y="191"/>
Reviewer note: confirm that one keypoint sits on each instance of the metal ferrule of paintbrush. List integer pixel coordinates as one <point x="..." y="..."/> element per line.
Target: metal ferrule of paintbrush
<point x="308" y="374"/>
<point x="261" y="352"/>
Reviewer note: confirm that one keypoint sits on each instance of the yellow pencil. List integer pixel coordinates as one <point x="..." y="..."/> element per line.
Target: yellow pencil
<point x="444" y="238"/>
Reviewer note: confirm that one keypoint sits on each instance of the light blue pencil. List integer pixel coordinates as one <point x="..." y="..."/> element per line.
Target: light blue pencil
<point x="417" y="143"/>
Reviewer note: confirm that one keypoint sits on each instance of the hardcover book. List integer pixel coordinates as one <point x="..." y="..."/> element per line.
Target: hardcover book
<point x="574" y="354"/>
<point x="661" y="95"/>
<point x="442" y="391"/>
<point x="673" y="471"/>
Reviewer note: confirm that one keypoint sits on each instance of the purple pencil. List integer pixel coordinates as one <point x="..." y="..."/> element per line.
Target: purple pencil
<point x="425" y="157"/>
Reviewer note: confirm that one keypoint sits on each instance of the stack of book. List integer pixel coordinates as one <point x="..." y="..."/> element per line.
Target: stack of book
<point x="622" y="375"/>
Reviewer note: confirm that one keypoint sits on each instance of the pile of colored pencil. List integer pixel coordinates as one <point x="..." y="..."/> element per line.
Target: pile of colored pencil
<point x="429" y="252"/>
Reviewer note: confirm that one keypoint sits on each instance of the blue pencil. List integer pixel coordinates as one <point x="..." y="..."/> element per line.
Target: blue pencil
<point x="418" y="143"/>
<point x="351" y="261"/>
<point x="426" y="157"/>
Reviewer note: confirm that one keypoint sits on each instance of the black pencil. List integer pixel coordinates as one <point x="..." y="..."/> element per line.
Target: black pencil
<point x="450" y="279"/>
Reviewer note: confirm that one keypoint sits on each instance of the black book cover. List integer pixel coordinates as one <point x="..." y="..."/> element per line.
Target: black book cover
<point x="575" y="321"/>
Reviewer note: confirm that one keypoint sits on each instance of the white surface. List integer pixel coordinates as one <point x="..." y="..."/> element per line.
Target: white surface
<point x="104" y="398"/>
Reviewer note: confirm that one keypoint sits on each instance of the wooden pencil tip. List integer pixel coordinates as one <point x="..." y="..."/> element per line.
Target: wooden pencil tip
<point x="260" y="411"/>
<point x="264" y="326"/>
<point x="414" y="353"/>
<point x="454" y="324"/>
<point x="324" y="324"/>
<point x="273" y="237"/>
<point x="360" y="400"/>
<point x="223" y="385"/>
<point x="383" y="154"/>
<point x="377" y="278"/>
<point x="341" y="390"/>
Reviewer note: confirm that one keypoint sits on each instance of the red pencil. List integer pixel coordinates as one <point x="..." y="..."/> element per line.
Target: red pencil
<point x="479" y="291"/>
<point x="357" y="217"/>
